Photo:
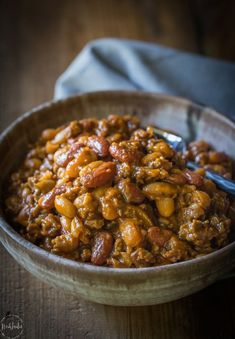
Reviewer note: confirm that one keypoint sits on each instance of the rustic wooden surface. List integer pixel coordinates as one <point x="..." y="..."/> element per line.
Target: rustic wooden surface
<point x="38" y="39"/>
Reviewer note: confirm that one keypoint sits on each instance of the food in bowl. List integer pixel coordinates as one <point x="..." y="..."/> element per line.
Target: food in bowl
<point x="108" y="192"/>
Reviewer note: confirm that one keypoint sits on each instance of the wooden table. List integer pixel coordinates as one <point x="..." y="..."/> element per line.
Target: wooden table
<point x="38" y="40"/>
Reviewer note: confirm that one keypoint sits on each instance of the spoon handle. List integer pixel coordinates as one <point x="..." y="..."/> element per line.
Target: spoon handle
<point x="226" y="185"/>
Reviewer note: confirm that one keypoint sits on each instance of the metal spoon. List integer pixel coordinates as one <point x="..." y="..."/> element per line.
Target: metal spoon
<point x="179" y="144"/>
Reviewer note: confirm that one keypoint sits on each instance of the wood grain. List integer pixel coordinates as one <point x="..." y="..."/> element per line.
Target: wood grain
<point x="38" y="39"/>
<point x="213" y="27"/>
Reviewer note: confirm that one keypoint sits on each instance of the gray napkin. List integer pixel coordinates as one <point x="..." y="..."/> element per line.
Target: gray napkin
<point x="115" y="64"/>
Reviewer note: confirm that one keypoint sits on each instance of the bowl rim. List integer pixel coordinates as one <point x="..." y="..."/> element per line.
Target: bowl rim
<point x="86" y="267"/>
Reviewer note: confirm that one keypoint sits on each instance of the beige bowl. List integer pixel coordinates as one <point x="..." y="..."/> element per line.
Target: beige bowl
<point x="143" y="286"/>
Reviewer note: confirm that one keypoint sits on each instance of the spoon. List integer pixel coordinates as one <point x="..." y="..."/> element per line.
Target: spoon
<point x="179" y="144"/>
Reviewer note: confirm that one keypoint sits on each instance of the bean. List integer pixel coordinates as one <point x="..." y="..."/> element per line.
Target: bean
<point x="51" y="148"/>
<point x="109" y="211"/>
<point x="47" y="200"/>
<point x="202" y="158"/>
<point x="163" y="148"/>
<point x="116" y="137"/>
<point x="125" y="152"/>
<point x="65" y="207"/>
<point x="84" y="157"/>
<point x="76" y="146"/>
<point x="60" y="175"/>
<point x="160" y="189"/>
<point x="202" y="198"/>
<point x="60" y="189"/>
<point x="72" y="130"/>
<point x="201" y="171"/>
<point x="193" y="178"/>
<point x="48" y="134"/>
<point x="99" y="192"/>
<point x="158" y="236"/>
<point x="217" y="157"/>
<point x="97" y="174"/>
<point x="62" y="136"/>
<point x="77" y="227"/>
<point x="209" y="187"/>
<point x="99" y="145"/>
<point x="111" y="202"/>
<point x="145" y="174"/>
<point x="131" y="192"/>
<point x="117" y="123"/>
<point x="165" y="206"/>
<point x="139" y="134"/>
<point x="132" y="123"/>
<point x="61" y="157"/>
<point x="150" y="157"/>
<point x="66" y="224"/>
<point x="86" y="202"/>
<point x="88" y="124"/>
<point x="33" y="163"/>
<point x="131" y="233"/>
<point x="177" y="179"/>
<point x="45" y="185"/>
<point x="199" y="146"/>
<point x="75" y="127"/>
<point x="72" y="169"/>
<point x="102" y="247"/>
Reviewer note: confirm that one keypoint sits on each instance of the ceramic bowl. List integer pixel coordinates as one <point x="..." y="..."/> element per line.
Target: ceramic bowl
<point x="142" y="286"/>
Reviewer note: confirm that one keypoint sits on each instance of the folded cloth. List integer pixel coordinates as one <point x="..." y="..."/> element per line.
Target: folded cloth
<point x="115" y="64"/>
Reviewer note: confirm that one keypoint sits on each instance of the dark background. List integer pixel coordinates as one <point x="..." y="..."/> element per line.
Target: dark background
<point x="38" y="39"/>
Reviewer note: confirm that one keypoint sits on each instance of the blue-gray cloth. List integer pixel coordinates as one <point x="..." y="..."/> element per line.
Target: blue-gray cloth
<point x="115" y="64"/>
